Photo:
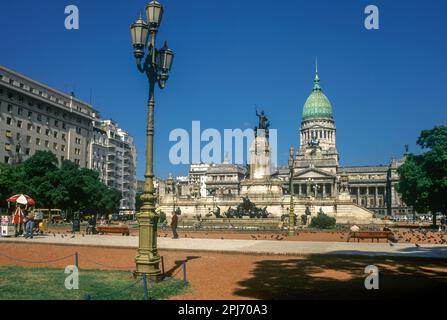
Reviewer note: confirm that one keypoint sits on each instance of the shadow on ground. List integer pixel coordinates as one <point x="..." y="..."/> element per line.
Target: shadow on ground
<point x="342" y="277"/>
<point x="177" y="266"/>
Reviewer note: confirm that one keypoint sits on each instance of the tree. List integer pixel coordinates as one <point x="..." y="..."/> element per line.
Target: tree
<point x="37" y="176"/>
<point x="423" y="178"/>
<point x="11" y="181"/>
<point x="322" y="221"/>
<point x="67" y="187"/>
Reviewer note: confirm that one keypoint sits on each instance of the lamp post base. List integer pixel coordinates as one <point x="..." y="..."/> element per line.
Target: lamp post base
<point x="291" y="232"/>
<point x="149" y="266"/>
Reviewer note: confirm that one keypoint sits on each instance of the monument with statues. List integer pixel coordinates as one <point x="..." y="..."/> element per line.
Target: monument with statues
<point x="351" y="194"/>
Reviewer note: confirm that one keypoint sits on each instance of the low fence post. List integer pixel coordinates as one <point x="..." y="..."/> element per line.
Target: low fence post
<point x="184" y="273"/>
<point x="77" y="260"/>
<point x="146" y="293"/>
<point x="163" y="265"/>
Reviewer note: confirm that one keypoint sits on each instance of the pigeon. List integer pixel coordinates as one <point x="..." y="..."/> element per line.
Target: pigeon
<point x="253" y="237"/>
<point x="222" y="238"/>
<point x="72" y="236"/>
<point x="54" y="234"/>
<point x="417" y="245"/>
<point x="391" y="244"/>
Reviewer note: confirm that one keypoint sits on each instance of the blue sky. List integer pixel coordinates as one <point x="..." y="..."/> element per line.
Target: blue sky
<point x="385" y="85"/>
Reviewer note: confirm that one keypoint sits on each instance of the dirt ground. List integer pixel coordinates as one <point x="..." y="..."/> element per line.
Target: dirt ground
<point x="403" y="235"/>
<point x="237" y="276"/>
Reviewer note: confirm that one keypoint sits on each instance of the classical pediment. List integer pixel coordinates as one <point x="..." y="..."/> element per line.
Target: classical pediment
<point x="312" y="173"/>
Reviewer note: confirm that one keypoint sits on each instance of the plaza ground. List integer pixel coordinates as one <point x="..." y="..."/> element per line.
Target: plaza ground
<point x="215" y="275"/>
<point x="404" y="235"/>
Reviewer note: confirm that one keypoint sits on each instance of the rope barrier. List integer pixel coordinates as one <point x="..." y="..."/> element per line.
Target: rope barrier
<point x="102" y="264"/>
<point x="38" y="262"/>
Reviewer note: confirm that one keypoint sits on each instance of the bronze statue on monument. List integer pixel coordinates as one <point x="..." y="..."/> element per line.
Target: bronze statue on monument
<point x="263" y="125"/>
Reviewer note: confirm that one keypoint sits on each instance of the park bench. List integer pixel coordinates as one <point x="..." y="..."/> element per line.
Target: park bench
<point x="371" y="235"/>
<point x="124" y="230"/>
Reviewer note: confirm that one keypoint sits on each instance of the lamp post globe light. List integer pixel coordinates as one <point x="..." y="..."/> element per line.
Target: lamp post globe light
<point x="156" y="64"/>
<point x="291" y="228"/>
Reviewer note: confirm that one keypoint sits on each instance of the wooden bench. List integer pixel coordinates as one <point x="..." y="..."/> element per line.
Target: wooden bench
<point x="124" y="230"/>
<point x="371" y="235"/>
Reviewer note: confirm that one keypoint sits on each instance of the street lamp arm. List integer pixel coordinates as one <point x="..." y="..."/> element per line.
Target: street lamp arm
<point x="141" y="68"/>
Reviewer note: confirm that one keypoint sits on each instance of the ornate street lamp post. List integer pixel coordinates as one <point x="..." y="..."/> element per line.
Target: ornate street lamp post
<point x="156" y="64"/>
<point x="291" y="211"/>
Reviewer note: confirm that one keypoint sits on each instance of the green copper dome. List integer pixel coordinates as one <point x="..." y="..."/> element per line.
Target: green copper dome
<point x="317" y="105"/>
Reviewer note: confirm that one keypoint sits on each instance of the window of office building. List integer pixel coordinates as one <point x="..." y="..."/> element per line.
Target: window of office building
<point x="55" y="146"/>
<point x="38" y="141"/>
<point x="9" y="108"/>
<point x="28" y="139"/>
<point x="8" y="120"/>
<point x="38" y="129"/>
<point x="29" y="126"/>
<point x="47" y="132"/>
<point x="6" y="159"/>
<point x="27" y="151"/>
<point x="19" y="123"/>
<point x="30" y="114"/>
<point x="47" y="143"/>
<point x="39" y="117"/>
<point x="55" y="134"/>
<point x="19" y="111"/>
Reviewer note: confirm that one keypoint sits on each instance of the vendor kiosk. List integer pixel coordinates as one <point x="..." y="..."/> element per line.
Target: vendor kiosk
<point x="7" y="227"/>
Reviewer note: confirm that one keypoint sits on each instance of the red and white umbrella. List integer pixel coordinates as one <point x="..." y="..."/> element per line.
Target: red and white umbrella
<point x="22" y="199"/>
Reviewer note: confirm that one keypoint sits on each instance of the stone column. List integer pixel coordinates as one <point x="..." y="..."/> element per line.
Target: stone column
<point x="376" y="196"/>
<point x="324" y="190"/>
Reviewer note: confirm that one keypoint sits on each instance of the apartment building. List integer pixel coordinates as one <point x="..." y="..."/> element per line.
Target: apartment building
<point x="36" y="117"/>
<point x="114" y="152"/>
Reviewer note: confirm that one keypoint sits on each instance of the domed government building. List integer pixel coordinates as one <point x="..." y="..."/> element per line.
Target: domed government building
<point x="352" y="194"/>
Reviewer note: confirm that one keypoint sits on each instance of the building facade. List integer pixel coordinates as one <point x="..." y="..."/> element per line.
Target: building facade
<point x="352" y="194"/>
<point x="113" y="149"/>
<point x="36" y="117"/>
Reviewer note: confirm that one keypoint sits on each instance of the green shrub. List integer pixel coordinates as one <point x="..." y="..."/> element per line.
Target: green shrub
<point x="322" y="221"/>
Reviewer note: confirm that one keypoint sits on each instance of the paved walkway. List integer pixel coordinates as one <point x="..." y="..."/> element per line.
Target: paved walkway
<point x="247" y="246"/>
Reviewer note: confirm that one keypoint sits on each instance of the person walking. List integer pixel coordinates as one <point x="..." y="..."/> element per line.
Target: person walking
<point x="174" y="223"/>
<point x="29" y="226"/>
<point x="443" y="222"/>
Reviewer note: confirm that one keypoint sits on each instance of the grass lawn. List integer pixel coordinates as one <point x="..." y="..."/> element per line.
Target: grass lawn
<point x="25" y="283"/>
